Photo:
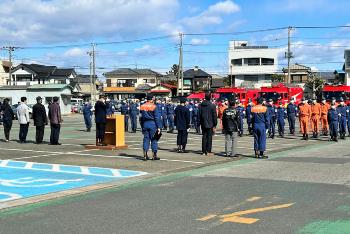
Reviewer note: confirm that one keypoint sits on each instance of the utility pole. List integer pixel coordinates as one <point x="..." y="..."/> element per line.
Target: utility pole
<point x="289" y="54"/>
<point x="93" y="71"/>
<point x="180" y="72"/>
<point x="10" y="49"/>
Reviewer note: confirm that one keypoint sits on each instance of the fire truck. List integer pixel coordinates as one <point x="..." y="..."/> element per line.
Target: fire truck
<point x="336" y="91"/>
<point x="242" y="94"/>
<point x="281" y="93"/>
<point x="201" y="96"/>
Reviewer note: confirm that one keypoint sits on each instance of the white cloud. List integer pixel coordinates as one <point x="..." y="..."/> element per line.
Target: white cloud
<point x="320" y="6"/>
<point x="74" y="52"/>
<point x="211" y="16"/>
<point x="147" y="50"/>
<point x="59" y="21"/>
<point x="198" y="41"/>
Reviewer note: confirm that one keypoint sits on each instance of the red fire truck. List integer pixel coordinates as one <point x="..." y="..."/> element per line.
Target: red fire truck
<point x="201" y="96"/>
<point x="336" y="91"/>
<point x="281" y="93"/>
<point x="242" y="94"/>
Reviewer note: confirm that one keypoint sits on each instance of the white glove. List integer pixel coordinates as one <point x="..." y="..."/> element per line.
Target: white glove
<point x="188" y="130"/>
<point x="267" y="131"/>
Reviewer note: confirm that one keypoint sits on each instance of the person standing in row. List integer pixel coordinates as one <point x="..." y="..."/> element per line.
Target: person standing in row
<point x="182" y="123"/>
<point x="170" y="110"/>
<point x="241" y="111"/>
<point x="260" y="122"/>
<point x="125" y="110"/>
<point x="134" y="111"/>
<point x="40" y="120"/>
<point x="23" y="119"/>
<point x="87" y="112"/>
<point x="55" y="121"/>
<point x="292" y="112"/>
<point x="280" y="116"/>
<point x="272" y="118"/>
<point x="333" y="120"/>
<point x="150" y="120"/>
<point x="342" y="118"/>
<point x="304" y="118"/>
<point x="230" y="122"/>
<point x="315" y="117"/>
<point x="7" y="118"/>
<point x="208" y="121"/>
<point x="348" y="118"/>
<point x="248" y="113"/>
<point x="324" y="115"/>
<point x="101" y="120"/>
<point x="195" y="118"/>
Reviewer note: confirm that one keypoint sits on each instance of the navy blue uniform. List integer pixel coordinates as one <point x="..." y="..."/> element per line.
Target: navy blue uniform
<point x="182" y="123"/>
<point x="87" y="112"/>
<point x="190" y="108"/>
<point x="342" y="120"/>
<point x="280" y="116"/>
<point x="195" y="118"/>
<point x="260" y="123"/>
<point x="348" y="118"/>
<point x="240" y="110"/>
<point x="124" y="110"/>
<point x="170" y="112"/>
<point x="272" y="120"/>
<point x="292" y="111"/>
<point x="248" y="113"/>
<point x="159" y="110"/>
<point x="134" y="111"/>
<point x="110" y="110"/>
<point x="164" y="116"/>
<point x="333" y="121"/>
<point x="150" y="121"/>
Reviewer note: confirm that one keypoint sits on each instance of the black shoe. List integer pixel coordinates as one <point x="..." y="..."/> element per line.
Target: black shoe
<point x="155" y="157"/>
<point x="145" y="156"/>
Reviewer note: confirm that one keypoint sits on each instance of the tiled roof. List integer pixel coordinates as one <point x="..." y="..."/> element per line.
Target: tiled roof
<point x="132" y="72"/>
<point x="48" y="86"/>
<point x="195" y="73"/>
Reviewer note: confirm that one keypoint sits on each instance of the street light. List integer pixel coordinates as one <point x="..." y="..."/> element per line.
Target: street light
<point x="231" y="78"/>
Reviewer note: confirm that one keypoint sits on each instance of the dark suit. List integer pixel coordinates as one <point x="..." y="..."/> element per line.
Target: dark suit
<point x="40" y="120"/>
<point x="182" y="123"/>
<point x="100" y="119"/>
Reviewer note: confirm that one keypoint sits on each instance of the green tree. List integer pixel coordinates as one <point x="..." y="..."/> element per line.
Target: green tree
<point x="277" y="78"/>
<point x="315" y="83"/>
<point x="174" y="70"/>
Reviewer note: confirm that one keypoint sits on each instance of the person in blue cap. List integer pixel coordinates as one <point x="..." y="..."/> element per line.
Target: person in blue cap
<point x="342" y="118"/>
<point x="272" y="118"/>
<point x="164" y="115"/>
<point x="125" y="110"/>
<point x="195" y="117"/>
<point x="292" y="112"/>
<point x="260" y="124"/>
<point x="134" y="112"/>
<point x="170" y="111"/>
<point x="248" y="113"/>
<point x="281" y="114"/>
<point x="150" y="121"/>
<point x="348" y="118"/>
<point x="241" y="111"/>
<point x="87" y="113"/>
<point x="333" y="121"/>
<point x="160" y="113"/>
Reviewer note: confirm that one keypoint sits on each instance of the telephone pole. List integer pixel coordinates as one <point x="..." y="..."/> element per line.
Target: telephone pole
<point x="10" y="49"/>
<point x="289" y="54"/>
<point x="92" y="67"/>
<point x="180" y="71"/>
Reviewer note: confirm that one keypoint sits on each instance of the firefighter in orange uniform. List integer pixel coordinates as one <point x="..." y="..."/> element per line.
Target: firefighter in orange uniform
<point x="315" y="117"/>
<point x="221" y="109"/>
<point x="304" y="118"/>
<point x="324" y="121"/>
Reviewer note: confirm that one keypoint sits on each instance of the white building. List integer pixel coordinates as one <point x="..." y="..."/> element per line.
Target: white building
<point x="347" y="67"/>
<point x="250" y="65"/>
<point x="4" y="72"/>
<point x="30" y="74"/>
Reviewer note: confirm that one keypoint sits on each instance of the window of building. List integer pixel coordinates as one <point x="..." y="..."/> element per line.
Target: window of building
<point x="236" y="62"/>
<point x="253" y="78"/>
<point x="109" y="82"/>
<point x="252" y="61"/>
<point x="267" y="61"/>
<point x="296" y="79"/>
<point x="187" y="82"/>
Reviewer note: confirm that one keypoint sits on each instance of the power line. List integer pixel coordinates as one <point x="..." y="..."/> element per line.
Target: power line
<point x="235" y="33"/>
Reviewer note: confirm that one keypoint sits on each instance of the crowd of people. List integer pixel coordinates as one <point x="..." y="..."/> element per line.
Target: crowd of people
<point x="40" y="119"/>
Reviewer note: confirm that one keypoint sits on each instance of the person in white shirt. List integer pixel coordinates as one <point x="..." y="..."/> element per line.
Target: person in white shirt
<point x="23" y="119"/>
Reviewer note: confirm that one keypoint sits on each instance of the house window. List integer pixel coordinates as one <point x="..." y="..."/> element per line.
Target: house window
<point x="236" y="62"/>
<point x="296" y="79"/>
<point x="252" y="61"/>
<point x="187" y="82"/>
<point x="267" y="61"/>
<point x="109" y="82"/>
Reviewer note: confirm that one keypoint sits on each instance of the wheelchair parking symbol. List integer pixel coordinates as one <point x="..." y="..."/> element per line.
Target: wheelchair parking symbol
<point x="30" y="182"/>
<point x="4" y="197"/>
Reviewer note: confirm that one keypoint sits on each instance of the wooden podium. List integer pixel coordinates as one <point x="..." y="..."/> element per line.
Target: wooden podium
<point x="114" y="134"/>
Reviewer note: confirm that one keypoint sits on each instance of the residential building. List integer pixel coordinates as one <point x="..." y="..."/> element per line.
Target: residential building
<point x="251" y="64"/>
<point x="82" y="87"/>
<point x="195" y="79"/>
<point x="126" y="82"/>
<point x="217" y="81"/>
<point x="30" y="74"/>
<point x="347" y="67"/>
<point x="298" y="73"/>
<point x="4" y="72"/>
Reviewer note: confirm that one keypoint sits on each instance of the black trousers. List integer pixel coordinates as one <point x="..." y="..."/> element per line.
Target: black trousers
<point x="7" y="129"/>
<point x="207" y="140"/>
<point x="182" y="137"/>
<point x="100" y="131"/>
<point x="39" y="135"/>
<point x="23" y="131"/>
<point x="55" y="133"/>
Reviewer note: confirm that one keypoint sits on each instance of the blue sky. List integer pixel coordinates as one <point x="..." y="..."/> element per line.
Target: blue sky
<point x="35" y="23"/>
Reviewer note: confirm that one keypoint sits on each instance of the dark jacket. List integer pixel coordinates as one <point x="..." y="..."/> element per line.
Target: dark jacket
<point x="207" y="115"/>
<point x="7" y="113"/>
<point x="230" y="120"/>
<point x="182" y="118"/>
<point x="55" y="113"/>
<point x="39" y="115"/>
<point x="100" y="112"/>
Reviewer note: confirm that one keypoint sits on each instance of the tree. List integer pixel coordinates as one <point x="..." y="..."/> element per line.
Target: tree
<point x="315" y="83"/>
<point x="174" y="70"/>
<point x="277" y="78"/>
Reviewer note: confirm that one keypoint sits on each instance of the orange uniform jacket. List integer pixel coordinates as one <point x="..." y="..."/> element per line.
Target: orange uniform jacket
<point x="324" y="113"/>
<point x="304" y="117"/>
<point x="315" y="116"/>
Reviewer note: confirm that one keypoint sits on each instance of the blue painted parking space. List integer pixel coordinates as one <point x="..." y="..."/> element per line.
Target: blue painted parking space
<point x="26" y="179"/>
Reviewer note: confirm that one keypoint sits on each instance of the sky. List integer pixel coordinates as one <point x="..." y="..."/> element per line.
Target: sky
<point x="60" y="32"/>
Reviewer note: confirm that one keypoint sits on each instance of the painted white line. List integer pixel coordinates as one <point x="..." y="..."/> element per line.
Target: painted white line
<point x="184" y="161"/>
<point x="36" y="156"/>
<point x="4" y="163"/>
<point x="85" y="170"/>
<point x="29" y="165"/>
<point x="55" y="167"/>
<point x="116" y="173"/>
